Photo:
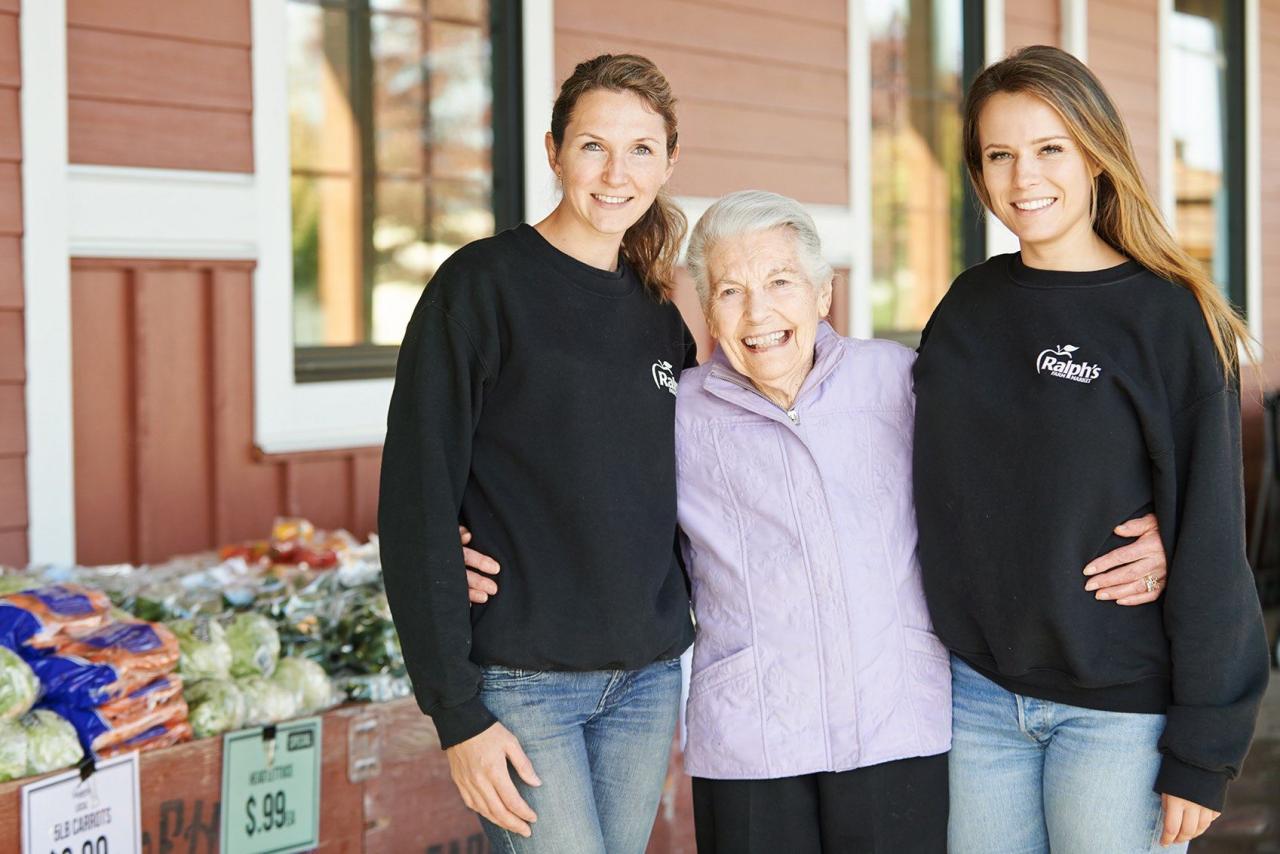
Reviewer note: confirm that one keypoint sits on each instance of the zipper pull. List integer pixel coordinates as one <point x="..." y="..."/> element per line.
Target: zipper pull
<point x="794" y="415"/>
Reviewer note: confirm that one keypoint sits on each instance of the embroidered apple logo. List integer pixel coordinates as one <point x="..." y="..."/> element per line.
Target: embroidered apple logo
<point x="1046" y="360"/>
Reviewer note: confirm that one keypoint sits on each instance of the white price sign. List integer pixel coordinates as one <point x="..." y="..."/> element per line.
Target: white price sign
<point x="66" y="815"/>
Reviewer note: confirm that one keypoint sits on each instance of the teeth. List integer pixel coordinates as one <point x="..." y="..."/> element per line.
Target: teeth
<point x="610" y="200"/>
<point x="1034" y="204"/>
<point x="765" y="340"/>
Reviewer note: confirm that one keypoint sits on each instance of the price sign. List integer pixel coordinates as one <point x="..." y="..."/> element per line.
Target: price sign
<point x="64" y="814"/>
<point x="271" y="788"/>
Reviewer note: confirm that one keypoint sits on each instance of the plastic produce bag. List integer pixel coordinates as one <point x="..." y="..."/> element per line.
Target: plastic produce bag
<point x="265" y="701"/>
<point x="108" y="663"/>
<point x="38" y="618"/>
<point x="161" y="735"/>
<point x="19" y="687"/>
<point x="97" y="733"/>
<point x="308" y="682"/>
<point x="142" y="700"/>
<point x="214" y="706"/>
<point x="255" y="645"/>
<point x="206" y="654"/>
<point x="51" y="741"/>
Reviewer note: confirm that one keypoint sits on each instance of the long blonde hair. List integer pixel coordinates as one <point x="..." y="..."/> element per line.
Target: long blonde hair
<point x="1126" y="216"/>
<point x="652" y="244"/>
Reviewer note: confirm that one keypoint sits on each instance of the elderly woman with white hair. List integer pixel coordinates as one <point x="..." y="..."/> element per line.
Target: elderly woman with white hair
<point x="819" y="710"/>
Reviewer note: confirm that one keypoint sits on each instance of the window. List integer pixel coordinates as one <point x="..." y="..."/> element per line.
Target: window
<point x="1207" y="70"/>
<point x="400" y="116"/>
<point x="925" y="222"/>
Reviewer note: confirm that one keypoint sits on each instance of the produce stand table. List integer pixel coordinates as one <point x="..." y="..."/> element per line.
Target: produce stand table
<point x="384" y="787"/>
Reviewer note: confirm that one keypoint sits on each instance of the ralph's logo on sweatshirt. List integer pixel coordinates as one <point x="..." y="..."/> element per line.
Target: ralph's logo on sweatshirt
<point x="663" y="376"/>
<point x="1061" y="363"/>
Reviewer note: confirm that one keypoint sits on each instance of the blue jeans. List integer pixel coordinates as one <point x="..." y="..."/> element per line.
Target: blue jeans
<point x="1030" y="775"/>
<point x="599" y="741"/>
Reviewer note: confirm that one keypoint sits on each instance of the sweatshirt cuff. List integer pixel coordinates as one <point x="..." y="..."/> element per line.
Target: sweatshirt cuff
<point x="1177" y="778"/>
<point x="457" y="724"/>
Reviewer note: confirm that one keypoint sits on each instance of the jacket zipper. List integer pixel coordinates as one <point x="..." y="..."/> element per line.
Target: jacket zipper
<point x="793" y="413"/>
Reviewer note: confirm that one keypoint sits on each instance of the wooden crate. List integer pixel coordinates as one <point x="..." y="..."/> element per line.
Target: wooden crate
<point x="401" y="800"/>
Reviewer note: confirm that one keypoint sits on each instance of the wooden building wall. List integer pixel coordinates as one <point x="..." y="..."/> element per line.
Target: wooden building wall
<point x="163" y="391"/>
<point x="13" y="427"/>
<point x="160" y="83"/>
<point x="1269" y="72"/>
<point x="1029" y="22"/>
<point x="1124" y="51"/>
<point x="761" y="84"/>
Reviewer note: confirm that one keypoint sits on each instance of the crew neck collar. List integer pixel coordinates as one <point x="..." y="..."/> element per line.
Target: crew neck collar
<point x="1037" y="278"/>
<point x="610" y="283"/>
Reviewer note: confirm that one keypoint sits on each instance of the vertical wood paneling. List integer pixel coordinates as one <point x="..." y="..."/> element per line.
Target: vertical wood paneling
<point x="171" y="412"/>
<point x="102" y="415"/>
<point x="163" y="403"/>
<point x="246" y="493"/>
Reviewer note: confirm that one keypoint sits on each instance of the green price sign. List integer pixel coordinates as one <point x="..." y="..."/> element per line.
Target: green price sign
<point x="271" y="788"/>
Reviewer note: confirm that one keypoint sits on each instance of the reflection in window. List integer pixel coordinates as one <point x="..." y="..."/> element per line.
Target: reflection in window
<point x="924" y="226"/>
<point x="391" y="137"/>
<point x="1208" y="141"/>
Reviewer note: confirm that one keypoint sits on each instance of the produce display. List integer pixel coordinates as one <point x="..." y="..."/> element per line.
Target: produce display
<point x="103" y="660"/>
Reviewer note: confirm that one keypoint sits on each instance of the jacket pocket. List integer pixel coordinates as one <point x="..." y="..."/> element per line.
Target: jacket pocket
<point x="741" y="663"/>
<point x="929" y="666"/>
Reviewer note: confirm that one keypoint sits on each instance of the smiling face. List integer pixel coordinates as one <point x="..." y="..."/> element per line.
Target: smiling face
<point x="612" y="163"/>
<point x="763" y="310"/>
<point x="1039" y="182"/>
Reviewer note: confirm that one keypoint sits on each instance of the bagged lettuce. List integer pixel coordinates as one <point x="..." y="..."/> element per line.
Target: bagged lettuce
<point x="19" y="687"/>
<point x="52" y="742"/>
<point x="266" y="702"/>
<point x="13" y="750"/>
<point x="214" y="706"/>
<point x="205" y="651"/>
<point x="255" y="645"/>
<point x="307" y="680"/>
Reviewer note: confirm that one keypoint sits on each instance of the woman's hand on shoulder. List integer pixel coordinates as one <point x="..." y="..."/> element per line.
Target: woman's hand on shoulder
<point x="1184" y="820"/>
<point x="479" y="586"/>
<point x="1133" y="574"/>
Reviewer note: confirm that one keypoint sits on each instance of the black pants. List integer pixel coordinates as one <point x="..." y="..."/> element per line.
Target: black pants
<point x="898" y="807"/>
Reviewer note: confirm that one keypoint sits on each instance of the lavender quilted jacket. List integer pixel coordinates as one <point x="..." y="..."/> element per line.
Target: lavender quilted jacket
<point x="814" y="649"/>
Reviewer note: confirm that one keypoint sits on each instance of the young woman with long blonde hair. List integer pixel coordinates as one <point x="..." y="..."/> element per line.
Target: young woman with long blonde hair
<point x="1089" y="376"/>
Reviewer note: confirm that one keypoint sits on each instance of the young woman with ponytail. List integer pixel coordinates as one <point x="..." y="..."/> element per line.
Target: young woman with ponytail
<point x="534" y="402"/>
<point x="1092" y="375"/>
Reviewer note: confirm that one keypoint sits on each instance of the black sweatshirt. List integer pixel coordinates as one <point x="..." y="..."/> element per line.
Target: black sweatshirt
<point x="1051" y="407"/>
<point x="534" y="402"/>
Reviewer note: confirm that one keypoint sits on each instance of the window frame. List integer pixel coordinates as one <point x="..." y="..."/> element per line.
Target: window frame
<point x="368" y="361"/>
<point x="340" y="412"/>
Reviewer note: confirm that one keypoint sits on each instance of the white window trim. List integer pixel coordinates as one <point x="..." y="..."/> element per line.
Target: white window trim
<point x="1074" y="26"/>
<point x="51" y="518"/>
<point x="1168" y="196"/>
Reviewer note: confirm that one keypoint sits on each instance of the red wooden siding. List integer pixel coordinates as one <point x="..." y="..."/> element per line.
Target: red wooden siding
<point x="160" y="83"/>
<point x="1124" y="51"/>
<point x="163" y="396"/>
<point x="13" y="426"/>
<point x="1029" y="22"/>
<point x="1269" y="53"/>
<point x="761" y="84"/>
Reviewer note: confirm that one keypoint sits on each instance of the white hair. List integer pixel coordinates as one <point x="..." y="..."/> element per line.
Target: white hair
<point x="748" y="211"/>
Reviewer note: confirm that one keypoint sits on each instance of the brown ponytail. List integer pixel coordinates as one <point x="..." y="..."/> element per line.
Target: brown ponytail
<point x="652" y="245"/>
